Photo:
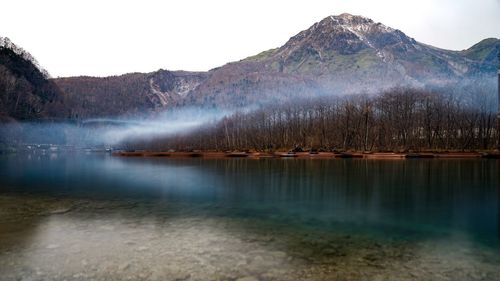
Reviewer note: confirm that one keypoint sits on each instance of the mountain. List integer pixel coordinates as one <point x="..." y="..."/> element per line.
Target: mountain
<point x="341" y="54"/>
<point x="484" y="52"/>
<point x="26" y="92"/>
<point x="345" y="45"/>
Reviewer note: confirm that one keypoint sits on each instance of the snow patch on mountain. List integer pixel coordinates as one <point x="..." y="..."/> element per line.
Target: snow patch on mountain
<point x="359" y="26"/>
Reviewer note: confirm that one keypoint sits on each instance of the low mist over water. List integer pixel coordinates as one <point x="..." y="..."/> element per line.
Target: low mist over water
<point x="108" y="132"/>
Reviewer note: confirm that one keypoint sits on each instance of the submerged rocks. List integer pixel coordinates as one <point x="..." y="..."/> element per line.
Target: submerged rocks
<point x="247" y="278"/>
<point x="60" y="211"/>
<point x="52" y="246"/>
<point x="104" y="241"/>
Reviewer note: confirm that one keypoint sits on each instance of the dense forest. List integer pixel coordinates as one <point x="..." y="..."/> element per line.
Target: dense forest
<point x="26" y="92"/>
<point x="399" y="119"/>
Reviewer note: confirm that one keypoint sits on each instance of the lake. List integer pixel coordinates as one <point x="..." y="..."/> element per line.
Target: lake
<point x="77" y="216"/>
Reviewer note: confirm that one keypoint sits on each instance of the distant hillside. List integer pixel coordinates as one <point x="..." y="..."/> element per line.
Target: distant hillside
<point x="26" y="92"/>
<point x="129" y="94"/>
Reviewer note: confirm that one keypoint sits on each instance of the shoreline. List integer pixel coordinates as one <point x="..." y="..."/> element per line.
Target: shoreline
<point x="308" y="155"/>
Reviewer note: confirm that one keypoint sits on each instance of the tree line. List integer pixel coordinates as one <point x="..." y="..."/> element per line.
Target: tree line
<point x="398" y="119"/>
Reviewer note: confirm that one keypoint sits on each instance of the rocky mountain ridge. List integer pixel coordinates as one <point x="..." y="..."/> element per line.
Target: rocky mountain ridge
<point x="341" y="54"/>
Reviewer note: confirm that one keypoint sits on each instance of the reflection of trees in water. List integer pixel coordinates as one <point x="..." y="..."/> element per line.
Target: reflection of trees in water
<point x="442" y="194"/>
<point x="403" y="194"/>
<point x="498" y="212"/>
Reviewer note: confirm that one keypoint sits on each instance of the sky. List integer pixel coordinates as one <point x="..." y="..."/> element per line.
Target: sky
<point x="108" y="37"/>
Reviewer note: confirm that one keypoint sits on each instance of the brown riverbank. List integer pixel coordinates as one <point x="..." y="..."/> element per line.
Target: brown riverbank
<point x="321" y="155"/>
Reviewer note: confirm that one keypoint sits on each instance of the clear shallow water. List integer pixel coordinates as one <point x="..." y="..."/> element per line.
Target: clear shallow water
<point x="105" y="218"/>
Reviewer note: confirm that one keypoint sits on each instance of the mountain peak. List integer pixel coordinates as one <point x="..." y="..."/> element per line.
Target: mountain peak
<point x="346" y="34"/>
<point x="355" y="23"/>
<point x="345" y="15"/>
<point x="346" y="18"/>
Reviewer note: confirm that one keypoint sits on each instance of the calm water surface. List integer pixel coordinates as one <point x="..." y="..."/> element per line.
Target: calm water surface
<point x="94" y="216"/>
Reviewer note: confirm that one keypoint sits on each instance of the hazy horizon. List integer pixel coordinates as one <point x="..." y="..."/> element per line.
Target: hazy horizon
<point x="117" y="37"/>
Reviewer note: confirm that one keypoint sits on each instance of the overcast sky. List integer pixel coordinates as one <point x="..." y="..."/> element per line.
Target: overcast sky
<point x="98" y="37"/>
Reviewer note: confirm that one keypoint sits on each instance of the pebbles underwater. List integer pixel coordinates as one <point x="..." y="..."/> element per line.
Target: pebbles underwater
<point x="44" y="238"/>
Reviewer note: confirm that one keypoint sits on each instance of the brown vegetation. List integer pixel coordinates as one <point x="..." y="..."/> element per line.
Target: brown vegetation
<point x="25" y="91"/>
<point x="396" y="120"/>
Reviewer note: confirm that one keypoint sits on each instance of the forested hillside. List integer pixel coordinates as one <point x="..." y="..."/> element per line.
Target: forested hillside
<point x="26" y="92"/>
<point x="134" y="94"/>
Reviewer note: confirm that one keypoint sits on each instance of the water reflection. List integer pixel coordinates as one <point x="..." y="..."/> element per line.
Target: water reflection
<point x="229" y="218"/>
<point x="415" y="195"/>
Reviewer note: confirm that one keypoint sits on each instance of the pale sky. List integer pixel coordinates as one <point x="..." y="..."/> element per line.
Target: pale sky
<point x="99" y="37"/>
